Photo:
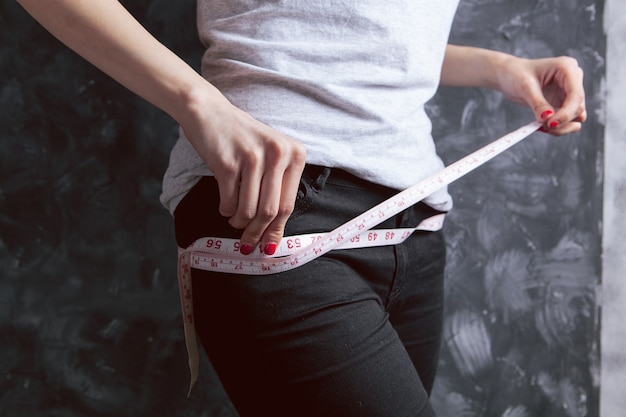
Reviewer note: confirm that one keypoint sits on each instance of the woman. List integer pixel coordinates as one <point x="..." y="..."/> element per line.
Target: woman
<point x="308" y="113"/>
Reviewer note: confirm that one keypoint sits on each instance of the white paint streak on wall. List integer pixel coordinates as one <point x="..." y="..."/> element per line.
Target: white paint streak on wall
<point x="612" y="399"/>
<point x="518" y="411"/>
<point x="506" y="284"/>
<point x="469" y="342"/>
<point x="568" y="296"/>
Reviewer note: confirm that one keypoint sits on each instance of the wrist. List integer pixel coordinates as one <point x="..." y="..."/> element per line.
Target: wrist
<point x="501" y="64"/>
<point x="192" y="101"/>
<point x="494" y="65"/>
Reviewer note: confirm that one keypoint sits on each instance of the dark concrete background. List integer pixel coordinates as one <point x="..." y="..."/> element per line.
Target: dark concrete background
<point x="89" y="313"/>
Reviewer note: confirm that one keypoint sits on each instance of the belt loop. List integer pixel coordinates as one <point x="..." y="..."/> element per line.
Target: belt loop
<point x="316" y="176"/>
<point x="320" y="182"/>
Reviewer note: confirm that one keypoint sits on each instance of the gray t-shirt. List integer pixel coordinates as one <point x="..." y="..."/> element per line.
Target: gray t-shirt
<point x="347" y="78"/>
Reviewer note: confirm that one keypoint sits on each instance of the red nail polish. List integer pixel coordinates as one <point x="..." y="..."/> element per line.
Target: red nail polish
<point x="554" y="124"/>
<point x="543" y="129"/>
<point x="246" y="249"/>
<point x="546" y="114"/>
<point x="270" y="248"/>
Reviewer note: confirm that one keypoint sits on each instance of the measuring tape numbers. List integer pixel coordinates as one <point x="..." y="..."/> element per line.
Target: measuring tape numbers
<point x="222" y="255"/>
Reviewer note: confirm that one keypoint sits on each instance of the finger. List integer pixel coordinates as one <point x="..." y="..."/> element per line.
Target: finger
<point x="276" y="229"/>
<point x="568" y="121"/>
<point x="558" y="128"/>
<point x="582" y="118"/>
<point x="573" y="106"/>
<point x="269" y="198"/>
<point x="248" y="200"/>
<point x="573" y="109"/>
<point x="565" y="129"/>
<point x="538" y="103"/>
<point x="228" y="185"/>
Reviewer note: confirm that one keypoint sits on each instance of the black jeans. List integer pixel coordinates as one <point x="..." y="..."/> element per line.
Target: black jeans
<point x="353" y="333"/>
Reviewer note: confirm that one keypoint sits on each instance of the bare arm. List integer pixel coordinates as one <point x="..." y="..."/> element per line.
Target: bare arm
<point x="551" y="87"/>
<point x="470" y="67"/>
<point x="104" y="33"/>
<point x="257" y="168"/>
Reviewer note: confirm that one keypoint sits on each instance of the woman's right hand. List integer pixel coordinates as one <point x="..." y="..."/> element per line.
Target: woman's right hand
<point x="257" y="168"/>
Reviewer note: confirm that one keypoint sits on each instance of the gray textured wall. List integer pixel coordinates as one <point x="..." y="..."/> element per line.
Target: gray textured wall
<point x="522" y="326"/>
<point x="89" y="314"/>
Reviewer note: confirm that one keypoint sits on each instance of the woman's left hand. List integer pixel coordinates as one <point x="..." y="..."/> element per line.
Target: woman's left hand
<point x="551" y="87"/>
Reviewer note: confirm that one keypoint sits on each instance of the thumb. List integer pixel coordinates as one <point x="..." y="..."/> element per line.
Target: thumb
<point x="537" y="102"/>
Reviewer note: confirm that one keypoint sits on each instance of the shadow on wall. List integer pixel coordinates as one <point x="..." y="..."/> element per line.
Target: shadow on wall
<point x="89" y="314"/>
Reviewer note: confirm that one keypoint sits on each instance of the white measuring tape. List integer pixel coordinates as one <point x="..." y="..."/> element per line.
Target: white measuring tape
<point x="222" y="255"/>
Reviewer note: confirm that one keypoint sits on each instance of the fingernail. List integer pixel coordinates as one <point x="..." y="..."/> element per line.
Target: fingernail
<point x="270" y="248"/>
<point x="546" y="114"/>
<point x="554" y="124"/>
<point x="246" y="249"/>
<point x="543" y="129"/>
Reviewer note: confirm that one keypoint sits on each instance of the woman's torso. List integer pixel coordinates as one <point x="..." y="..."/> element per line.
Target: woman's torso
<point x="349" y="79"/>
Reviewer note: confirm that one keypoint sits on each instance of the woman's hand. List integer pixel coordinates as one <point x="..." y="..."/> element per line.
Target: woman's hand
<point x="551" y="87"/>
<point x="257" y="168"/>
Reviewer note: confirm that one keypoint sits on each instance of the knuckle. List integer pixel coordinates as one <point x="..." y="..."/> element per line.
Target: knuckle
<point x="241" y="219"/>
<point x="285" y="210"/>
<point x="568" y="63"/>
<point x="283" y="154"/>
<point x="225" y="173"/>
<point x="246" y="214"/>
<point x="227" y="210"/>
<point x="268" y="213"/>
<point x="580" y="71"/>
<point x="274" y="152"/>
<point x="299" y="154"/>
<point x="236" y="223"/>
<point x="252" y="157"/>
<point x="230" y="169"/>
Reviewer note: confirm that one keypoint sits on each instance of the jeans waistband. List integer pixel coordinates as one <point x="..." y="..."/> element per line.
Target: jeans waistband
<point x="318" y="176"/>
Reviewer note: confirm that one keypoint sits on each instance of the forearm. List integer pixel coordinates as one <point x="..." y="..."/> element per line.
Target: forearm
<point x="104" y="33"/>
<point x="465" y="66"/>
